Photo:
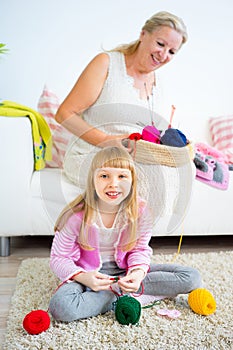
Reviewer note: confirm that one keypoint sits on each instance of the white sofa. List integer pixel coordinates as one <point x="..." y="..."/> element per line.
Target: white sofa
<point x="31" y="200"/>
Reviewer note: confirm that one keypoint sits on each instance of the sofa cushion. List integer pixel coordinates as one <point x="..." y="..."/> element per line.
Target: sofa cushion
<point x="47" y="106"/>
<point x="221" y="131"/>
<point x="50" y="192"/>
<point x="52" y="184"/>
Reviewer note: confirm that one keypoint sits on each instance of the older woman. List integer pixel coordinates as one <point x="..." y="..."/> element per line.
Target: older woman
<point x="115" y="95"/>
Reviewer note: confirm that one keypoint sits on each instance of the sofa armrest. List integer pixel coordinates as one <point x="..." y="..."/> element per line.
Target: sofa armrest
<point x="17" y="166"/>
<point x="16" y="149"/>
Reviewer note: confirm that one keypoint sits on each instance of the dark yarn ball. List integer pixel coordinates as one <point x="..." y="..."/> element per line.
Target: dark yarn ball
<point x="127" y="310"/>
<point x="174" y="137"/>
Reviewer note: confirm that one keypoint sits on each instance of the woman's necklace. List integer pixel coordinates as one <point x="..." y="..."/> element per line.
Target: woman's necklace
<point x="150" y="105"/>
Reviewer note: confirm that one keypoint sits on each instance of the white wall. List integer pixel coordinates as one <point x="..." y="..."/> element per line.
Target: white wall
<point x="51" y="41"/>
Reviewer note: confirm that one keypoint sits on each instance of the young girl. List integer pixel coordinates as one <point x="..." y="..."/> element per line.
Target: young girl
<point x="103" y="234"/>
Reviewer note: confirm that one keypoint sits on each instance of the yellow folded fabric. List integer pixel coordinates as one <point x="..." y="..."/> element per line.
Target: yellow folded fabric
<point x="42" y="137"/>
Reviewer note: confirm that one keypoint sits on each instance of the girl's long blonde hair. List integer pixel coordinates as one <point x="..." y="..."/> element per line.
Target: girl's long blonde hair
<point x="114" y="157"/>
<point x="160" y="19"/>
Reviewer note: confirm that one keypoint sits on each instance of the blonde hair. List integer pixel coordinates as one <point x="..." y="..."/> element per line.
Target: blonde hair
<point x="113" y="157"/>
<point x="160" y="19"/>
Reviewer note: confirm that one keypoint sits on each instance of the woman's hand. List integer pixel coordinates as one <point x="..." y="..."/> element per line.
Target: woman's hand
<point x="94" y="280"/>
<point x="115" y="140"/>
<point x="132" y="281"/>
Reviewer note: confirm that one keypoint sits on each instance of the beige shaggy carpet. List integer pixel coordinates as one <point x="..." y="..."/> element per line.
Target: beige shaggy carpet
<point x="35" y="284"/>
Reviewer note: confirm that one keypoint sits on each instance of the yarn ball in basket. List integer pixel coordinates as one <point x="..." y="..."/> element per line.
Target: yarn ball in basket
<point x="36" y="322"/>
<point x="151" y="133"/>
<point x="174" y="137"/>
<point x="135" y="136"/>
<point x="202" y="301"/>
<point x="127" y="310"/>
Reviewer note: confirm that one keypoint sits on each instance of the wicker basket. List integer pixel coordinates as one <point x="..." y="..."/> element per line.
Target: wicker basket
<point x="152" y="153"/>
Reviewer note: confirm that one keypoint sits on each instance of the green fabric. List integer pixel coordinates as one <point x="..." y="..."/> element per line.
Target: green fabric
<point x="42" y="137"/>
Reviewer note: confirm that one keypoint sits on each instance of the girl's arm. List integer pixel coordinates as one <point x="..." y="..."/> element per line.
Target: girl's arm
<point x="65" y="251"/>
<point x="84" y="94"/>
<point x="95" y="280"/>
<point x="132" y="282"/>
<point x="65" y="254"/>
<point x="139" y="256"/>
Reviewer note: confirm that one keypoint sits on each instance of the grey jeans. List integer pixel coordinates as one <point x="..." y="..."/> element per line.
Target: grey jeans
<point x="74" y="301"/>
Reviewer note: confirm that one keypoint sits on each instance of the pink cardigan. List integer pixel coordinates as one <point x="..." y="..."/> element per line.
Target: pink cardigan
<point x="68" y="258"/>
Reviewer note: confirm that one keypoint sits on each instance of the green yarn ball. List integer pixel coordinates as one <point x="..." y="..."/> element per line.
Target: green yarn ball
<point x="127" y="310"/>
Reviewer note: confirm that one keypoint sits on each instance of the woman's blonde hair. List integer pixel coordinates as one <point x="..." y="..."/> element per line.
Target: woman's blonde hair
<point x="113" y="157"/>
<point x="160" y="19"/>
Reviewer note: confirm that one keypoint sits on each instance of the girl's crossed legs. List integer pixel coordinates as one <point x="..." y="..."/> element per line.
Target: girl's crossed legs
<point x="73" y="301"/>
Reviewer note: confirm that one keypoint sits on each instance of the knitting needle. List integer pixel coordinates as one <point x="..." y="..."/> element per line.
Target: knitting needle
<point x="115" y="279"/>
<point x="171" y="117"/>
<point x="140" y="124"/>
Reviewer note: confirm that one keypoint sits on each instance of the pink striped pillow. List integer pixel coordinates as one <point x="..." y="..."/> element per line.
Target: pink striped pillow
<point x="221" y="130"/>
<point x="47" y="106"/>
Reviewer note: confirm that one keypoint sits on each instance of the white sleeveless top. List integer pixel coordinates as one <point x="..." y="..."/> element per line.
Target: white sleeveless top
<point x="117" y="110"/>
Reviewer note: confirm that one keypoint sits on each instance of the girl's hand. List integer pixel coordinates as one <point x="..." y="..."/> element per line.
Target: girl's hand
<point x="131" y="283"/>
<point x="94" y="280"/>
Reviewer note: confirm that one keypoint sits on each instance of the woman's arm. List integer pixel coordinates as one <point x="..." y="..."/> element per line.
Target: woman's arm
<point x="84" y="94"/>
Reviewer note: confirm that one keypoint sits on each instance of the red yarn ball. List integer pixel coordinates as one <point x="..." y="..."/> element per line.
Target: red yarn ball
<point x="135" y="136"/>
<point x="36" y="322"/>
